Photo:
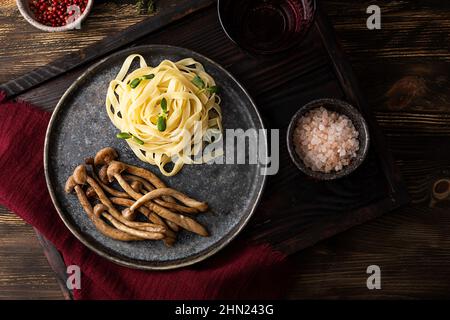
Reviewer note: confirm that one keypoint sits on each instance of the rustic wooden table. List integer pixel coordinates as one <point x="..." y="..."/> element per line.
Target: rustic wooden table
<point x="403" y="69"/>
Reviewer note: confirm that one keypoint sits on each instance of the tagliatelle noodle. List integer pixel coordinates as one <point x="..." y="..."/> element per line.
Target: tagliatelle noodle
<point x="193" y="116"/>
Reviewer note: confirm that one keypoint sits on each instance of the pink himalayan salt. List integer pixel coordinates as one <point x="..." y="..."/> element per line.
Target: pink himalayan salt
<point x="325" y="140"/>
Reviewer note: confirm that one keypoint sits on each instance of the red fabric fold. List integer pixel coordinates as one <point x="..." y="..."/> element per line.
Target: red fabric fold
<point x="239" y="271"/>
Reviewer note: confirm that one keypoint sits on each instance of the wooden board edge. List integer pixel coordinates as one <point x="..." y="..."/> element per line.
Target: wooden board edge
<point x="57" y="264"/>
<point x="358" y="217"/>
<point x="101" y="48"/>
<point x="349" y="84"/>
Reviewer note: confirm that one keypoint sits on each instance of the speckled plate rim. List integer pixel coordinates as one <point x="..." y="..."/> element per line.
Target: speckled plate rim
<point x="134" y="263"/>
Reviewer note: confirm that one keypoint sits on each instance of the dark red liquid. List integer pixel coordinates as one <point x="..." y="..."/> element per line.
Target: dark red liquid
<point x="266" y="26"/>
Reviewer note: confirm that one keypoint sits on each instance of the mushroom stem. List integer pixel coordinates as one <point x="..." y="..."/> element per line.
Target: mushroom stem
<point x="154" y="218"/>
<point x="176" y="207"/>
<point x="185" y="222"/>
<point x="125" y="202"/>
<point x="137" y="186"/>
<point x="79" y="171"/>
<point x="112" y="191"/>
<point x="99" y="224"/>
<point x="172" y="225"/>
<point x="157" y="193"/>
<point x="142" y="186"/>
<point x="137" y="182"/>
<point x="102" y="210"/>
<point x="179" y="219"/>
<point x="147" y="175"/>
<point x="146" y="185"/>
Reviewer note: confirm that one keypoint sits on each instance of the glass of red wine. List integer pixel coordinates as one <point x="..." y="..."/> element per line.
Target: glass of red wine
<point x="266" y="26"/>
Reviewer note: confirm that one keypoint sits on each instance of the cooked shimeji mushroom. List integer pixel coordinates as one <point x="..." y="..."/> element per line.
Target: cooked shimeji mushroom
<point x="142" y="192"/>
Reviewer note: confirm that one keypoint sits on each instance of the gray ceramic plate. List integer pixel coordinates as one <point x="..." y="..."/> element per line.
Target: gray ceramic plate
<point x="80" y="127"/>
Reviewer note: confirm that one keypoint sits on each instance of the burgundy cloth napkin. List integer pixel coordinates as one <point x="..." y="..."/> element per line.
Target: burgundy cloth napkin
<point x="239" y="271"/>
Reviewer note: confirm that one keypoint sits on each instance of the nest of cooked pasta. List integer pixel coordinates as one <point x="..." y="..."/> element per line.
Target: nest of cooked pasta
<point x="168" y="113"/>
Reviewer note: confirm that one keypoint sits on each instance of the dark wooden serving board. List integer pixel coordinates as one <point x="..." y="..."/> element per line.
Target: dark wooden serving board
<point x="296" y="211"/>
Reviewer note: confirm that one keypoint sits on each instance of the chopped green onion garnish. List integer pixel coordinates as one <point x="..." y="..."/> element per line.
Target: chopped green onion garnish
<point x="127" y="135"/>
<point x="149" y="76"/>
<point x="164" y="105"/>
<point x="135" y="82"/>
<point x="212" y="89"/>
<point x="123" y="135"/>
<point x="137" y="140"/>
<point x="198" y="82"/>
<point x="161" y="124"/>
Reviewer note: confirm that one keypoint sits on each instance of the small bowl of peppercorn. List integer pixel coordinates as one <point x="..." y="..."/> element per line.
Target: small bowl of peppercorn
<point x="55" y="15"/>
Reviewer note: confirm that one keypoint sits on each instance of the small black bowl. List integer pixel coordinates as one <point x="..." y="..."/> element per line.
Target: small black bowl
<point x="340" y="107"/>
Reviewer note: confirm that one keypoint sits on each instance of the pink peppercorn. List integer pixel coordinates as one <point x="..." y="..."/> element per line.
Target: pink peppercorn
<point x="54" y="13"/>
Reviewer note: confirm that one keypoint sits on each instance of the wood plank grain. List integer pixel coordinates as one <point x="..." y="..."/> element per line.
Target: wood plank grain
<point x="409" y="29"/>
<point x="24" y="270"/>
<point x="24" y="48"/>
<point x="410" y="245"/>
<point x="168" y="12"/>
<point x="57" y="264"/>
